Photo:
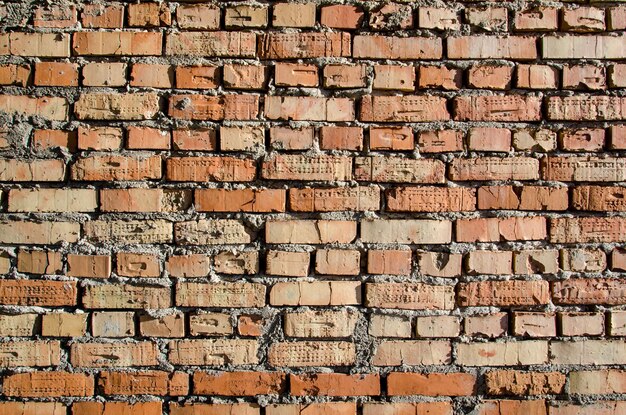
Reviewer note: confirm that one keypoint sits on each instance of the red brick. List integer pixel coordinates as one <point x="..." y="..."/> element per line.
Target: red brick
<point x="152" y="75"/>
<point x="334" y="199"/>
<point x="490" y="19"/>
<point x="489" y="139"/>
<point x="440" y="141"/>
<point x="116" y="167"/>
<point x="55" y="16"/>
<point x="301" y="167"/>
<point x="511" y="407"/>
<point x="109" y="16"/>
<point x="299" y="108"/>
<point x="149" y="14"/>
<point x="196" y="77"/>
<point x="303" y="45"/>
<point x="197" y="139"/>
<point x="131" y="264"/>
<point x="287" y="138"/>
<point x="245" y="76"/>
<point x="201" y="169"/>
<point x="246" y="15"/>
<point x="406" y="408"/>
<point x="144" y="383"/>
<point x="214" y="108"/>
<point x="40" y="293"/>
<point x="438" y="18"/>
<point x="89" y="266"/>
<point x="503" y="293"/>
<point x="586" y="108"/>
<point x="342" y="16"/>
<point x="32" y="408"/>
<point x="117" y="408"/>
<point x="48" y="384"/>
<point x="193" y="265"/>
<point x="295" y="74"/>
<point x="583" y="19"/>
<point x="394" y="77"/>
<point x="99" y="138"/>
<point x="397" y="48"/>
<point x="147" y="138"/>
<point x="334" y="384"/>
<point x="605" y="291"/>
<point x="11" y="74"/>
<point x="250" y="325"/>
<point x="294" y="15"/>
<point x="391" y="16"/>
<point x="49" y="45"/>
<point x="494" y="168"/>
<point x="440" y="77"/>
<point x="490" y="76"/>
<point x="393" y="262"/>
<point x="403" y="109"/>
<point x="56" y="74"/>
<point x="240" y="200"/>
<point x="391" y="138"/>
<point x="345" y="76"/>
<point x="198" y="16"/>
<point x="584" y="77"/>
<point x="213" y="409"/>
<point x="536" y="77"/>
<point x="522" y="198"/>
<point x="587" y="230"/>
<point x="239" y="383"/>
<point x="537" y="19"/>
<point x="341" y="138"/>
<point x="144" y="200"/>
<point x="497" y="108"/>
<point x="515" y="382"/>
<point x="432" y="384"/>
<point x="582" y="140"/>
<point x="430" y="199"/>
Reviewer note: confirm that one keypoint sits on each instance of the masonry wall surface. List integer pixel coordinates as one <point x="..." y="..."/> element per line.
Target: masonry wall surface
<point x="263" y="208"/>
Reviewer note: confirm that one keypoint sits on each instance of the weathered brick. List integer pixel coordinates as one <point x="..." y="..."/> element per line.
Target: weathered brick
<point x="171" y="325"/>
<point x="443" y="408"/>
<point x="502" y="407"/>
<point x="88" y="266"/>
<point x="64" y="325"/>
<point x="360" y="198"/>
<point x="342" y="16"/>
<point x="109" y="16"/>
<point x="334" y="384"/>
<point x="18" y="325"/>
<point x="212" y="232"/>
<point x="239" y="383"/>
<point x="11" y="74"/>
<point x="430" y="199"/>
<point x="34" y="353"/>
<point x="437" y="326"/>
<point x="214" y="108"/>
<point x="432" y="384"/>
<point x="391" y="16"/>
<point x="397" y="48"/>
<point x="214" y="352"/>
<point x="413" y="296"/>
<point x="150" y="382"/>
<point x="311" y="353"/>
<point x="587" y="230"/>
<point x="294" y="15"/>
<point x="48" y="384"/>
<point x="309" y="231"/>
<point x="514" y="382"/>
<point x="40" y="293"/>
<point x="126" y="296"/>
<point x="32" y="408"/>
<point x="45" y="45"/>
<point x="240" y="200"/>
<point x="217" y="409"/>
<point x="38" y="233"/>
<point x="300" y="108"/>
<point x="406" y="231"/>
<point x="200" y="169"/>
<point x="191" y="294"/>
<point x="399" y="170"/>
<point x="303" y="45"/>
<point x="503" y="293"/>
<point x="50" y="108"/>
<point x="246" y="15"/>
<point x="406" y="108"/>
<point x="488" y="325"/>
<point x="116" y="408"/>
<point x="104" y="74"/>
<point x="320" y="324"/>
<point x="134" y="106"/>
<point x="129" y="231"/>
<point x="288" y="264"/>
<point x="198" y="16"/>
<point x="113" y="354"/>
<point x="497" y="108"/>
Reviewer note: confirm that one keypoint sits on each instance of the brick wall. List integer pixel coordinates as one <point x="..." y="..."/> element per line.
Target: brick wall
<point x="301" y="208"/>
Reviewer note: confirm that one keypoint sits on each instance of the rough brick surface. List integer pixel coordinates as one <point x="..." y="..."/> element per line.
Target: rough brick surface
<point x="312" y="207"/>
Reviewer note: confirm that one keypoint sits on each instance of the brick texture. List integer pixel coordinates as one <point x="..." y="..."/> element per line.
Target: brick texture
<point x="312" y="207"/>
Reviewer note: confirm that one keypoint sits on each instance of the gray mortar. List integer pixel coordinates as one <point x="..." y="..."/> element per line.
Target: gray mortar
<point x="14" y="17"/>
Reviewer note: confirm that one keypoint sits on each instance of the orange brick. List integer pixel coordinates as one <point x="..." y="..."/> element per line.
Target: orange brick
<point x="194" y="265"/>
<point x="391" y="16"/>
<point x="55" y="16"/>
<point x="117" y="43"/>
<point x="117" y="408"/>
<point x="342" y="16"/>
<point x="149" y="14"/>
<point x="32" y="408"/>
<point x="245" y="76"/>
<point x="394" y="262"/>
<point x="345" y="76"/>
<point x="147" y="138"/>
<point x="337" y="262"/>
<point x="239" y="383"/>
<point x="131" y="264"/>
<point x="14" y="74"/>
<point x="439" y="141"/>
<point x="152" y="75"/>
<point x="341" y="138"/>
<point x="200" y="169"/>
<point x="171" y="325"/>
<point x="198" y="16"/>
<point x="38" y="293"/>
<point x="214" y="108"/>
<point x="501" y="229"/>
<point x="56" y="74"/>
<point x="108" y="16"/>
<point x="99" y="138"/>
<point x="295" y="74"/>
<point x="440" y="77"/>
<point x="48" y="384"/>
<point x="201" y="139"/>
<point x="116" y="167"/>
<point x="250" y="325"/>
<point x="144" y="383"/>
<point x="89" y="266"/>
<point x="240" y="200"/>
<point x="196" y="77"/>
<point x="432" y="384"/>
<point x="334" y="384"/>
